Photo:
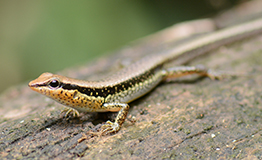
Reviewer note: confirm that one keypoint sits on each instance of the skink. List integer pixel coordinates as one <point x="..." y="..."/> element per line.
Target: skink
<point x="114" y="93"/>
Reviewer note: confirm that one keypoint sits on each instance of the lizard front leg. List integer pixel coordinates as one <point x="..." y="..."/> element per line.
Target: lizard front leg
<point x="111" y="127"/>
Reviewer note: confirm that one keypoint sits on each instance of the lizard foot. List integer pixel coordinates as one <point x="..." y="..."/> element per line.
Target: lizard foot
<point x="220" y="75"/>
<point x="110" y="127"/>
<point x="72" y="111"/>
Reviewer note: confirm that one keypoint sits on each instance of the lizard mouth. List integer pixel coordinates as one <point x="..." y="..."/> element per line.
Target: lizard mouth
<point x="35" y="86"/>
<point x="32" y="84"/>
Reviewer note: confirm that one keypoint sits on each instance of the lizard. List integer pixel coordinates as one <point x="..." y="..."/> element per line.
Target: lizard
<point x="115" y="92"/>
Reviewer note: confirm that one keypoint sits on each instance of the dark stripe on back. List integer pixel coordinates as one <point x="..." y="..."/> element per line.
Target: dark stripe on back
<point x="104" y="92"/>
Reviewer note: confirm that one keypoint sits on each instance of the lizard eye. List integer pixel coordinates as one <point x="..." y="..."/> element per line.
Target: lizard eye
<point x="54" y="83"/>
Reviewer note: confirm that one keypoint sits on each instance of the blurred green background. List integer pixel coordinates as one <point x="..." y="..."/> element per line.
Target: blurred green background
<point x="50" y="35"/>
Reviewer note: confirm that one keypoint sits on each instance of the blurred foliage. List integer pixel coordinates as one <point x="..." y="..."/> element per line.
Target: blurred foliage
<point x="40" y="36"/>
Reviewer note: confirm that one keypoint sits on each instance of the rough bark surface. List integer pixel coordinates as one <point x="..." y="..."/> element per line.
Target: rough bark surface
<point x="183" y="120"/>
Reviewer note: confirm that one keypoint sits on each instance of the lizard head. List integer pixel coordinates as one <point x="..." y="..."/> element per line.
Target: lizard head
<point x="62" y="89"/>
<point x="45" y="83"/>
<point x="51" y="85"/>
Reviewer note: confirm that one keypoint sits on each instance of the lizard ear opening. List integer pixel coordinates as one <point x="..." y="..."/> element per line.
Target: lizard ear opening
<point x="54" y="83"/>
